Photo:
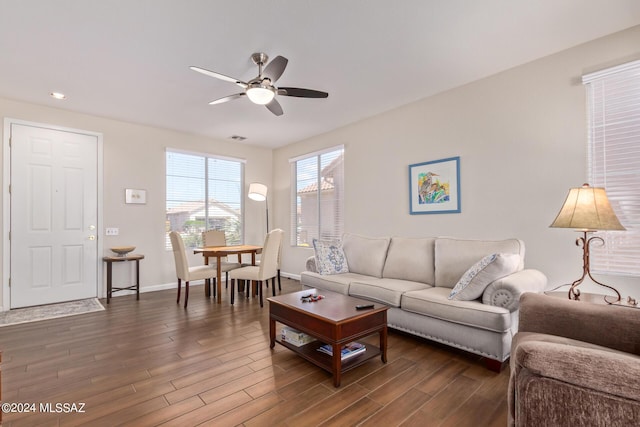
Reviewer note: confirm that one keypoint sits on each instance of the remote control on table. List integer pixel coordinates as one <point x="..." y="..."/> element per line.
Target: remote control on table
<point x="363" y="306"/>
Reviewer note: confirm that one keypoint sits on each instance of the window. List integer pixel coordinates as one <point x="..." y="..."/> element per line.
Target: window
<point x="317" y="196"/>
<point x="203" y="193"/>
<point x="613" y="98"/>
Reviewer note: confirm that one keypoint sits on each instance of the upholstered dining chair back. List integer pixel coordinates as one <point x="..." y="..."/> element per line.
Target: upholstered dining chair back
<point x="279" y="262"/>
<point x="280" y="251"/>
<point x="179" y="255"/>
<point x="269" y="260"/>
<point x="214" y="238"/>
<point x="183" y="271"/>
<point x="265" y="270"/>
<point x="219" y="238"/>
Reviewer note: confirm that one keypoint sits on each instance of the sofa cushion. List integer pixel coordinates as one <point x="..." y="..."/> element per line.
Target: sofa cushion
<point x="410" y="259"/>
<point x="435" y="302"/>
<point x="475" y="280"/>
<point x="365" y="255"/>
<point x="334" y="282"/>
<point x="386" y="291"/>
<point x="330" y="257"/>
<point x="455" y="256"/>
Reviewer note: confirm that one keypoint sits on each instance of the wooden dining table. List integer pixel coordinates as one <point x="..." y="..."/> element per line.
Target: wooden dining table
<point x="219" y="252"/>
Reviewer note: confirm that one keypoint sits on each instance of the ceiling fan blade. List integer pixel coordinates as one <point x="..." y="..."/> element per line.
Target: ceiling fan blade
<point x="227" y="98"/>
<point x="275" y="68"/>
<point x="301" y="93"/>
<point x="219" y="76"/>
<point x="275" y="107"/>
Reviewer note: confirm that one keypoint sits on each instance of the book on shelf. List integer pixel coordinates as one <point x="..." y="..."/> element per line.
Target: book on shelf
<point x="348" y="350"/>
<point x="295" y="337"/>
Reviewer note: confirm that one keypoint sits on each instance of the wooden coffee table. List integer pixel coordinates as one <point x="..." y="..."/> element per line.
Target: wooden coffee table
<point x="333" y="320"/>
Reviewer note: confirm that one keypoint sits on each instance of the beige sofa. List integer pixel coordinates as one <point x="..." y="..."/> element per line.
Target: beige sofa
<point x="415" y="276"/>
<point x="575" y="364"/>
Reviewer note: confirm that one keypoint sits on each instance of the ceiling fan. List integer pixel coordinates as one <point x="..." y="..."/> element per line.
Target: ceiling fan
<point x="261" y="90"/>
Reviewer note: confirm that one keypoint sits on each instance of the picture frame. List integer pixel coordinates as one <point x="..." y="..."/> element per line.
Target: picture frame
<point x="135" y="196"/>
<point x="434" y="187"/>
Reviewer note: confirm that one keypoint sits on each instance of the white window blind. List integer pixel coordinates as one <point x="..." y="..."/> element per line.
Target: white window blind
<point x="613" y="98"/>
<point x="317" y="197"/>
<point x="203" y="193"/>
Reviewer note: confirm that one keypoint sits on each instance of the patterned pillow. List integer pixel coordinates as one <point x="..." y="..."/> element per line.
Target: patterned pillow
<point x="330" y="257"/>
<point x="474" y="281"/>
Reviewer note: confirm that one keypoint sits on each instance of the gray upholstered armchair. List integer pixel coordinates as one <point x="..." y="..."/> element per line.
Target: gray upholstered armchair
<point x="575" y="364"/>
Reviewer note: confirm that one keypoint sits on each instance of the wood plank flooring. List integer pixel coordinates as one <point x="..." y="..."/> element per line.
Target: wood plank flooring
<point x="151" y="362"/>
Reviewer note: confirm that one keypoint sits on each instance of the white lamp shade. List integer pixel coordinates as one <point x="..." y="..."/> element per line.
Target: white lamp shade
<point x="257" y="192"/>
<point x="588" y="209"/>
<point x="260" y="95"/>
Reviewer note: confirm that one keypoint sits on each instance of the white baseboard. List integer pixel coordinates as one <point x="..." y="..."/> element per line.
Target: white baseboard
<point x="165" y="286"/>
<point x="154" y="288"/>
<point x="290" y="275"/>
<point x="174" y="285"/>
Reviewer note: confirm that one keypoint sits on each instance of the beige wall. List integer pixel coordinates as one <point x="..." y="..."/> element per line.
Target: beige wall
<point x="134" y="157"/>
<point x="521" y="137"/>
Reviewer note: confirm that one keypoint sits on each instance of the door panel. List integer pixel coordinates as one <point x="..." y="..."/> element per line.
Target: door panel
<point x="39" y="205"/>
<point x="53" y="215"/>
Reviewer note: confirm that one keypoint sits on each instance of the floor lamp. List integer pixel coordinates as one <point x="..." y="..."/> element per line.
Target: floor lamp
<point x="587" y="209"/>
<point x="258" y="192"/>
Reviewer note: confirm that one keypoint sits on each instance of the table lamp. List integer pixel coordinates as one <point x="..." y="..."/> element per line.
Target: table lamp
<point x="587" y="209"/>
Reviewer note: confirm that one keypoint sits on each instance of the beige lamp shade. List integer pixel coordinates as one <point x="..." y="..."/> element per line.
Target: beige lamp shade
<point x="588" y="209"/>
<point x="257" y="192"/>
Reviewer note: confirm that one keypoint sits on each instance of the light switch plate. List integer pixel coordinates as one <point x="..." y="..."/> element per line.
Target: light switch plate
<point x="112" y="231"/>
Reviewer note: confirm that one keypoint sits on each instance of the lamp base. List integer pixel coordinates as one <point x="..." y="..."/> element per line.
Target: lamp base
<point x="574" y="293"/>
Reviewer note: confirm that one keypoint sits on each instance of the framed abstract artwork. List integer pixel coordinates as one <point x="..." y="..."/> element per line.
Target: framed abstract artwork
<point x="434" y="187"/>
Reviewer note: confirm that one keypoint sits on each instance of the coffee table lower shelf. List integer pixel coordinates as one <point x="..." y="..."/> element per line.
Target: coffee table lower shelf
<point x="322" y="360"/>
<point x="334" y="320"/>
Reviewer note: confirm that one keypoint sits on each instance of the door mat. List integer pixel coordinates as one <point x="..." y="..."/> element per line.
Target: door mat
<point x="51" y="311"/>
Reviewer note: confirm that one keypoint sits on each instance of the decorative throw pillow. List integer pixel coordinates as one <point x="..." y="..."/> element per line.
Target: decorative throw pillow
<point x="474" y="281"/>
<point x="330" y="257"/>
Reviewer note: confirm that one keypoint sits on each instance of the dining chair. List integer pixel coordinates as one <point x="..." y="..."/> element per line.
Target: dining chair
<point x="279" y="258"/>
<point x="267" y="269"/>
<point x="219" y="238"/>
<point x="186" y="273"/>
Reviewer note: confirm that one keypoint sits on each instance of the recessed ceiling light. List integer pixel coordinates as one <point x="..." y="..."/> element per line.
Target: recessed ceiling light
<point x="58" y="95"/>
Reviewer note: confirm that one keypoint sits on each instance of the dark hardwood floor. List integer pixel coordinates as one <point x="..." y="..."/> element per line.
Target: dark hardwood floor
<point x="151" y="362"/>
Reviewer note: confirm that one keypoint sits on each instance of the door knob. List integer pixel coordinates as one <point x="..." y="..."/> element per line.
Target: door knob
<point x="92" y="237"/>
<point x="92" y="227"/>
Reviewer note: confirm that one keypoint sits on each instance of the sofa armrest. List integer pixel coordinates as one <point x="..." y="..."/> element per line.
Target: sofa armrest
<point x="506" y="292"/>
<point x="605" y="325"/>
<point x="310" y="265"/>
<point x="605" y="371"/>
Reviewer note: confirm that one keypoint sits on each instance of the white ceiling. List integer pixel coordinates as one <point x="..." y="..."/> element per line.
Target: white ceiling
<point x="128" y="60"/>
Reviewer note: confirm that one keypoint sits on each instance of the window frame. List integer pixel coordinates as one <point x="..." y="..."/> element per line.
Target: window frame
<point x="338" y="207"/>
<point x="613" y="162"/>
<point x="206" y="178"/>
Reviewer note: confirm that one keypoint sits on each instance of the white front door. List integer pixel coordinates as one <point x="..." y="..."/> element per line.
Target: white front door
<point x="54" y="214"/>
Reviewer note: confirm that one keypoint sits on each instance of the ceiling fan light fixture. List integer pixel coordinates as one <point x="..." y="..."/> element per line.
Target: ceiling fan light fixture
<point x="260" y="94"/>
<point x="261" y="90"/>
